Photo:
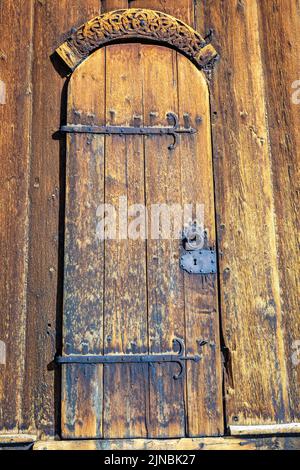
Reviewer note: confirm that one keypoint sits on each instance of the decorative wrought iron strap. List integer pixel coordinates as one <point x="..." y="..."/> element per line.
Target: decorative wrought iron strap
<point x="138" y="130"/>
<point x="179" y="358"/>
<point x="136" y="23"/>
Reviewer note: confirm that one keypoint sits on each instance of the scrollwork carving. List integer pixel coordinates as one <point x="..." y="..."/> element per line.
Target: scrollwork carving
<point x="136" y="23"/>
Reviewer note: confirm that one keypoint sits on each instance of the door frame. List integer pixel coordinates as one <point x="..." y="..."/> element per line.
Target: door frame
<point x="137" y="25"/>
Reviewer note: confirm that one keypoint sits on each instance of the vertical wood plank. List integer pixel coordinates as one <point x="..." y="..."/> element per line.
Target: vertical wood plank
<point x="279" y="32"/>
<point x="16" y="21"/>
<point x="183" y="10"/>
<point x="165" y="280"/>
<point x="256" y="380"/>
<point x="109" y="5"/>
<point x="53" y="21"/>
<point x="199" y="20"/>
<point x="205" y="443"/>
<point x="204" y="379"/>
<point x="125" y="385"/>
<point x="84" y="253"/>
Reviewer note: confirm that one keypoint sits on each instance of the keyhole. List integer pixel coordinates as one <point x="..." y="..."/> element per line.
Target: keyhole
<point x="195" y="262"/>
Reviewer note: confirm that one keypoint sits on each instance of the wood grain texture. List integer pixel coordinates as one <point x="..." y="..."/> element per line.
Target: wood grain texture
<point x="16" y="21"/>
<point x="164" y="278"/>
<point x="270" y="429"/>
<point x="126" y="25"/>
<point x="183" y="10"/>
<point x="125" y="330"/>
<point x="256" y="381"/>
<point x="205" y="405"/>
<point x="40" y="396"/>
<point x="82" y="391"/>
<point x="16" y="439"/>
<point x="205" y="443"/>
<point x="279" y="32"/>
<point x="138" y="285"/>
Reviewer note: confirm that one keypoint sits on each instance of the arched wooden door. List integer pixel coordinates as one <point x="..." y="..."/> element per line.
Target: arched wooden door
<point x="130" y="297"/>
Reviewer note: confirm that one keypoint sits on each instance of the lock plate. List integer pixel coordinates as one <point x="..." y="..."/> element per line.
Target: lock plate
<point x="199" y="261"/>
<point x="179" y="357"/>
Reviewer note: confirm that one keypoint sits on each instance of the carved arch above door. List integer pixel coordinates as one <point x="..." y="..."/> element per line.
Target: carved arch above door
<point x="136" y="24"/>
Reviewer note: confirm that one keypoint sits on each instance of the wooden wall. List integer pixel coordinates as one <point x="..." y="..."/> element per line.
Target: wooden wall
<point x="256" y="160"/>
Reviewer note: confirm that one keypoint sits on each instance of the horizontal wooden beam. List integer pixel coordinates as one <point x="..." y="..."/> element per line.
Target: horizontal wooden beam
<point x="205" y="443"/>
<point x="270" y="429"/>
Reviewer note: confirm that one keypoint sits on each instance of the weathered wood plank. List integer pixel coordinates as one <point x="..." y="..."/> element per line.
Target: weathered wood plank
<point x="125" y="331"/>
<point x="165" y="280"/>
<point x="236" y="82"/>
<point x="84" y="252"/>
<point x="53" y="19"/>
<point x="199" y="21"/>
<point x="16" y="20"/>
<point x="109" y="5"/>
<point x="205" y="443"/>
<point x="279" y="30"/>
<point x="204" y="379"/>
<point x="129" y="24"/>
<point x="274" y="429"/>
<point x="183" y="10"/>
<point x="17" y="439"/>
<point x="256" y="382"/>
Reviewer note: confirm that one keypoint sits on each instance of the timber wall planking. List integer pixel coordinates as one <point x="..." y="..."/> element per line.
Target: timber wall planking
<point x="259" y="46"/>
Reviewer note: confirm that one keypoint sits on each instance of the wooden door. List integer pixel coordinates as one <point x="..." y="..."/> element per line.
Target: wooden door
<point x="130" y="296"/>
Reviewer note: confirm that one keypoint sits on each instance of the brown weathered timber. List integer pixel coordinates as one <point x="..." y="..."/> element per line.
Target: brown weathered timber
<point x="205" y="443"/>
<point x="40" y="398"/>
<point x="279" y="33"/>
<point x="125" y="316"/>
<point x="16" y="20"/>
<point x="16" y="439"/>
<point x="84" y="254"/>
<point x="109" y="5"/>
<point x="199" y="18"/>
<point x="183" y="9"/>
<point x="205" y="405"/>
<point x="256" y="381"/>
<point x="138" y="400"/>
<point x="165" y="279"/>
<point x="270" y="429"/>
<point x="135" y="24"/>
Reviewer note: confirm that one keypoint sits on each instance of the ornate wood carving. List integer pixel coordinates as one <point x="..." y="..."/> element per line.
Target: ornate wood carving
<point x="136" y="23"/>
